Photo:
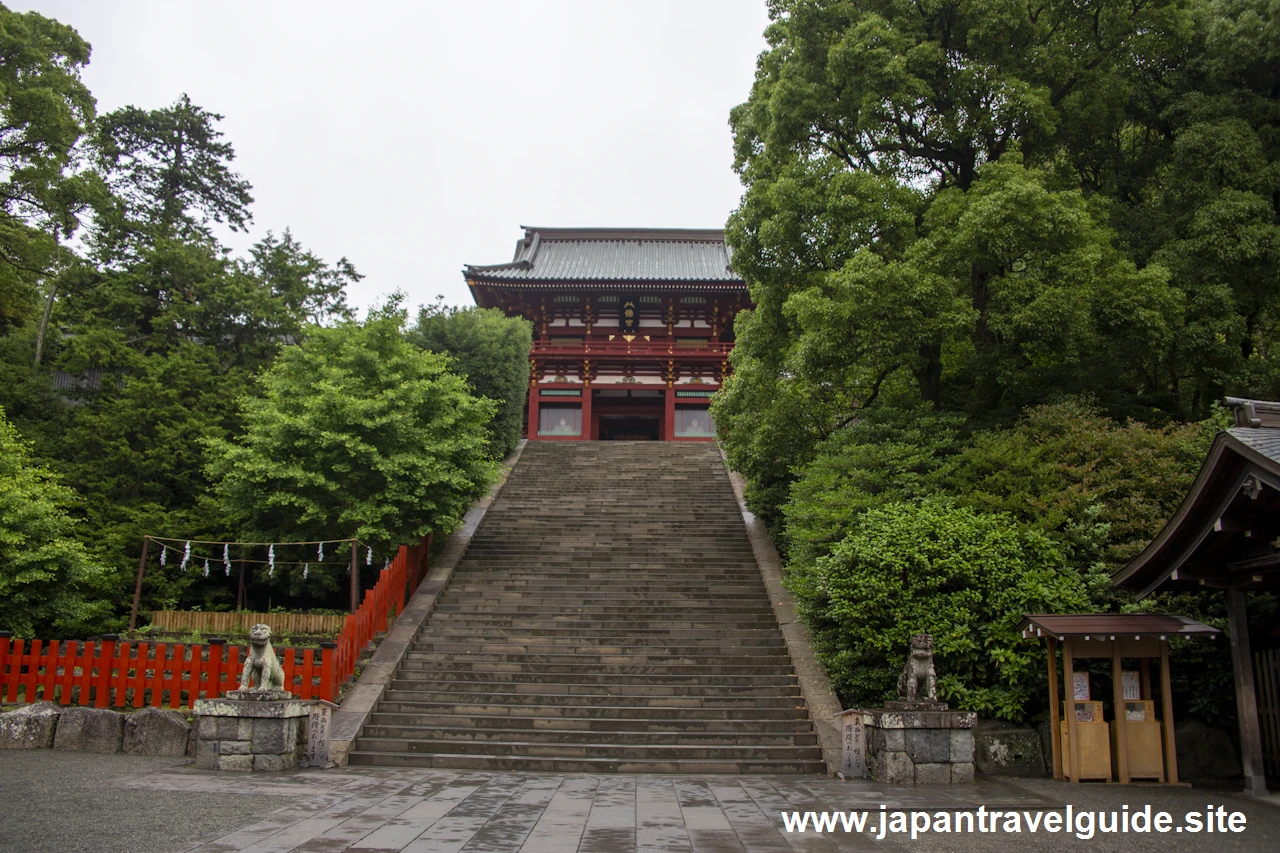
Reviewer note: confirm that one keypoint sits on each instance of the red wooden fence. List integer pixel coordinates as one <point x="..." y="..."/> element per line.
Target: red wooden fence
<point x="110" y="673"/>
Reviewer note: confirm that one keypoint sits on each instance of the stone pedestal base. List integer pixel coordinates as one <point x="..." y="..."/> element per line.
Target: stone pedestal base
<point x="251" y="730"/>
<point x="919" y="744"/>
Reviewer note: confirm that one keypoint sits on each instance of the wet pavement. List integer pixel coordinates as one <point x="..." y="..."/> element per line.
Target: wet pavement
<point x="424" y="811"/>
<point x="106" y="803"/>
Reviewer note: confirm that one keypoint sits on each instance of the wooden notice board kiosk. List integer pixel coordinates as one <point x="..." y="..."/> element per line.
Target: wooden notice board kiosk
<point x="1085" y="745"/>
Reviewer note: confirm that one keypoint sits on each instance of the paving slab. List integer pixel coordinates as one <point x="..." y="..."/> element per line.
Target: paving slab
<point x="55" y="801"/>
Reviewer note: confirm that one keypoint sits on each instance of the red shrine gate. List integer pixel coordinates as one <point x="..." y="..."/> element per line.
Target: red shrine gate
<point x="632" y="328"/>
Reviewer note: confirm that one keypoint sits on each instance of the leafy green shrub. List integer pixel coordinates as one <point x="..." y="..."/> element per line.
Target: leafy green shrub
<point x="1067" y="467"/>
<point x="892" y="453"/>
<point x="965" y="577"/>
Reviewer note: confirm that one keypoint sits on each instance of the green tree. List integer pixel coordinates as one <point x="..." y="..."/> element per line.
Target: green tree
<point x="169" y="344"/>
<point x="50" y="586"/>
<point x="44" y="110"/>
<point x="169" y="174"/>
<point x="489" y="349"/>
<point x="357" y="432"/>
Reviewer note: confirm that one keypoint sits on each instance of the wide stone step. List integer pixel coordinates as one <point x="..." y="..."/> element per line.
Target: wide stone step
<point x="576" y="700"/>
<point x="477" y="594"/>
<point x="555" y="618"/>
<point x="579" y="765"/>
<point x="428" y="644"/>
<point x="550" y="711"/>
<point x="757" y="725"/>
<point x="526" y="631"/>
<point x="562" y="554"/>
<point x="707" y="612"/>
<point x="644" y="752"/>
<point x="558" y="688"/>
<point x="464" y="584"/>
<point x="682" y="634"/>
<point x="626" y="642"/>
<point x="558" y="600"/>
<point x="600" y="661"/>
<point x="589" y="677"/>
<point x="715" y="737"/>
<point x="555" y="604"/>
<point x="598" y="576"/>
<point x="633" y="547"/>
<point x="431" y="662"/>
<point x="617" y="621"/>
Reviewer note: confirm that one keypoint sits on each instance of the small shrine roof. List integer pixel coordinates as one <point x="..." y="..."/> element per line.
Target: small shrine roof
<point x="622" y="255"/>
<point x="1109" y="624"/>
<point x="1224" y="534"/>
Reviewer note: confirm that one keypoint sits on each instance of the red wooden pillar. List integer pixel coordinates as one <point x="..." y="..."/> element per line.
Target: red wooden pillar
<point x="669" y="414"/>
<point x="586" y="410"/>
<point x="533" y="412"/>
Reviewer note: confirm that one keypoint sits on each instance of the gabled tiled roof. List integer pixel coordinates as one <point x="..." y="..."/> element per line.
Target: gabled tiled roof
<point x="1248" y="452"/>
<point x="1264" y="441"/>
<point x="547" y="255"/>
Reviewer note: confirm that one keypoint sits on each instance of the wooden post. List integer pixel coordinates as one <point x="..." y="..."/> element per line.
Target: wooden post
<point x="1055" y="736"/>
<point x="1166" y="713"/>
<point x="102" y="680"/>
<point x="4" y="654"/>
<point x="1068" y="679"/>
<point x="585" y="432"/>
<point x="1255" y="780"/>
<point x="1117" y="698"/>
<point x="355" y="579"/>
<point x="240" y="588"/>
<point x="137" y="587"/>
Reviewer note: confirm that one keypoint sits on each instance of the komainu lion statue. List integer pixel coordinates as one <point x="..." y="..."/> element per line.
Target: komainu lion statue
<point x="262" y="665"/>
<point x="918" y="682"/>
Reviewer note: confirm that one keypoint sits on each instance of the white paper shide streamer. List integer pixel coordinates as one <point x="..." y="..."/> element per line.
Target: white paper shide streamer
<point x="271" y="561"/>
<point x="164" y="554"/>
<point x="186" y="556"/>
<point x="226" y="557"/>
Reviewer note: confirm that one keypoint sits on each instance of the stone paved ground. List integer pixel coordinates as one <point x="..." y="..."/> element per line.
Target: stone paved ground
<point x="68" y="801"/>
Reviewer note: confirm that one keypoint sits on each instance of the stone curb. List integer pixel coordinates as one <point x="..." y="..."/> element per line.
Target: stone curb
<point x="819" y="696"/>
<point x="362" y="700"/>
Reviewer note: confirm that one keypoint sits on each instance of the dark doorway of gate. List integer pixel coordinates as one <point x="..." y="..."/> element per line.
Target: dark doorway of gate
<point x="629" y="428"/>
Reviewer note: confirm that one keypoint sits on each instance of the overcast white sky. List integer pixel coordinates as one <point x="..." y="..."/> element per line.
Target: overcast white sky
<point x="414" y="138"/>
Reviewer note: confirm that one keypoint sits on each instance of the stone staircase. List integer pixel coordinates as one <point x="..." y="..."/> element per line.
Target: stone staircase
<point x="608" y="616"/>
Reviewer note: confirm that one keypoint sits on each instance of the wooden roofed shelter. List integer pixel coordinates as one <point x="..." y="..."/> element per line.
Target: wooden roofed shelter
<point x="1226" y="536"/>
<point x="1083" y="750"/>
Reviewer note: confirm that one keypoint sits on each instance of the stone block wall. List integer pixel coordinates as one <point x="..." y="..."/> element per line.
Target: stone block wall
<point x="244" y="743"/>
<point x="920" y="748"/>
